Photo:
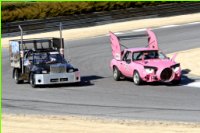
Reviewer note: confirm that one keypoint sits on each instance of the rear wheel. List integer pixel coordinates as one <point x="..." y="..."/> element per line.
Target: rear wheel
<point x="116" y="73"/>
<point x="32" y="80"/>
<point x="16" y="76"/>
<point x="136" y="78"/>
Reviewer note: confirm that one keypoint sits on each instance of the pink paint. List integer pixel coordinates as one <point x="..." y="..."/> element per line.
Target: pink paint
<point x="152" y="40"/>
<point x="151" y="64"/>
<point x="116" y="49"/>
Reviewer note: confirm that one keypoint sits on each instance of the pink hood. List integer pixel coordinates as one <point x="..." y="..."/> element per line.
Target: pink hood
<point x="159" y="63"/>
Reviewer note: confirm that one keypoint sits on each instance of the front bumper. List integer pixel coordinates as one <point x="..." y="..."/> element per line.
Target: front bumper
<point x="57" y="78"/>
<point x="156" y="77"/>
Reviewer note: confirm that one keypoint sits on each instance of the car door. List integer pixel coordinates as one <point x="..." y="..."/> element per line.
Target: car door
<point x="126" y="64"/>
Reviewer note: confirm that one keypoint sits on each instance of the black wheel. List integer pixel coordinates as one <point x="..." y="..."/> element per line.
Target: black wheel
<point x="136" y="78"/>
<point x="16" y="76"/>
<point x="32" y="80"/>
<point x="116" y="73"/>
<point x="176" y="82"/>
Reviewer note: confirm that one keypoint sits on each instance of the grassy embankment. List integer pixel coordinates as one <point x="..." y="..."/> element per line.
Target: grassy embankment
<point x="19" y="11"/>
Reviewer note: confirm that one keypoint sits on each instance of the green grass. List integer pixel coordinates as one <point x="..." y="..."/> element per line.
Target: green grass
<point x="19" y="11"/>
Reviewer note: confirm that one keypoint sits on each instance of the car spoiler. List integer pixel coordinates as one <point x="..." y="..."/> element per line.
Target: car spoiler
<point x="152" y="40"/>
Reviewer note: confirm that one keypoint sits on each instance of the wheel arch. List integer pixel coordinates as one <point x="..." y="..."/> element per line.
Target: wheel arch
<point x="136" y="70"/>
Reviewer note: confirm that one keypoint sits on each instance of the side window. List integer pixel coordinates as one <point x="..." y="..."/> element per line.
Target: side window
<point x="127" y="57"/>
<point x="161" y="55"/>
<point x="137" y="56"/>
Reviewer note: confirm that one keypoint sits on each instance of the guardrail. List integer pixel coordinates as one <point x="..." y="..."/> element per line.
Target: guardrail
<point x="99" y="18"/>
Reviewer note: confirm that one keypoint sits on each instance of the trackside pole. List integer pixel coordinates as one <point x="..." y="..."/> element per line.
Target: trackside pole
<point x="22" y="51"/>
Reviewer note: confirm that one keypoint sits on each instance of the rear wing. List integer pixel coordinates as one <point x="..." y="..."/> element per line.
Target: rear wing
<point x="152" y="40"/>
<point x="115" y="45"/>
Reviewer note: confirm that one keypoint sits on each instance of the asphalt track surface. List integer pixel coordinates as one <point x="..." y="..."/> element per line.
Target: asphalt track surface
<point x="99" y="95"/>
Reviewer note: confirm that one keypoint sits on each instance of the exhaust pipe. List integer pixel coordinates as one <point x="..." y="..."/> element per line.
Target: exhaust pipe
<point x="22" y="51"/>
<point x="61" y="41"/>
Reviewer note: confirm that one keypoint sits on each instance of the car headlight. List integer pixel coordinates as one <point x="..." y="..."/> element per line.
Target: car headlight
<point x="70" y="70"/>
<point x="150" y="70"/>
<point x="176" y="67"/>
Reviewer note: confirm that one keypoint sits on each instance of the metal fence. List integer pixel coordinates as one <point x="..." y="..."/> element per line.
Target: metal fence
<point x="99" y="18"/>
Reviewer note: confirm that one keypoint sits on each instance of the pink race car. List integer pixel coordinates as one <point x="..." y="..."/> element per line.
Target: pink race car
<point x="147" y="64"/>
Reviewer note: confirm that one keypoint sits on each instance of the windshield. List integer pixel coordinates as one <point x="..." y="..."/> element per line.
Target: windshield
<point x="40" y="58"/>
<point x="56" y="58"/>
<point x="154" y="54"/>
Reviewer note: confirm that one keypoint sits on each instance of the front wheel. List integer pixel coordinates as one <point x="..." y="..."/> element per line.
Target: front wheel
<point x="136" y="78"/>
<point x="116" y="74"/>
<point x="32" y="80"/>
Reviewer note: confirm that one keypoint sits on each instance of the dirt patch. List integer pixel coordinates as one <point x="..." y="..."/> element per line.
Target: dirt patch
<point x="189" y="60"/>
<point x="115" y="27"/>
<point x="70" y="124"/>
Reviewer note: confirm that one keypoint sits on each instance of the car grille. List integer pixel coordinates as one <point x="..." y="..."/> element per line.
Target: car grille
<point x="57" y="69"/>
<point x="166" y="74"/>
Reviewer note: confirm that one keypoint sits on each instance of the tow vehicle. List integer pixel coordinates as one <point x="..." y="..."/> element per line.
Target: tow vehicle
<point x="40" y="61"/>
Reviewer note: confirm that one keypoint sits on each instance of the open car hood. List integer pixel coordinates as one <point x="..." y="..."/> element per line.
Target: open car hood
<point x="115" y="45"/>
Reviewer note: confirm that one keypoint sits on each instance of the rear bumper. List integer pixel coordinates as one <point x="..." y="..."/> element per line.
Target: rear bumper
<point x="57" y="78"/>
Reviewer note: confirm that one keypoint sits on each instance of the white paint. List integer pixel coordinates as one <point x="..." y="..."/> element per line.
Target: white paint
<point x="116" y="33"/>
<point x="194" y="84"/>
<point x="119" y="33"/>
<point x="144" y="29"/>
<point x="138" y="30"/>
<point x="53" y="52"/>
<point x="168" y="26"/>
<point x="192" y="23"/>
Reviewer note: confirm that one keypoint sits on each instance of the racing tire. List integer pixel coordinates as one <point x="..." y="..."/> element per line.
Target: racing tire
<point x="32" y="80"/>
<point x="16" y="76"/>
<point x="136" y="78"/>
<point x="116" y="74"/>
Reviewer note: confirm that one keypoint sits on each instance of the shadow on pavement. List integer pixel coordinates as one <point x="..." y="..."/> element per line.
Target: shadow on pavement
<point x="186" y="79"/>
<point x="86" y="80"/>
